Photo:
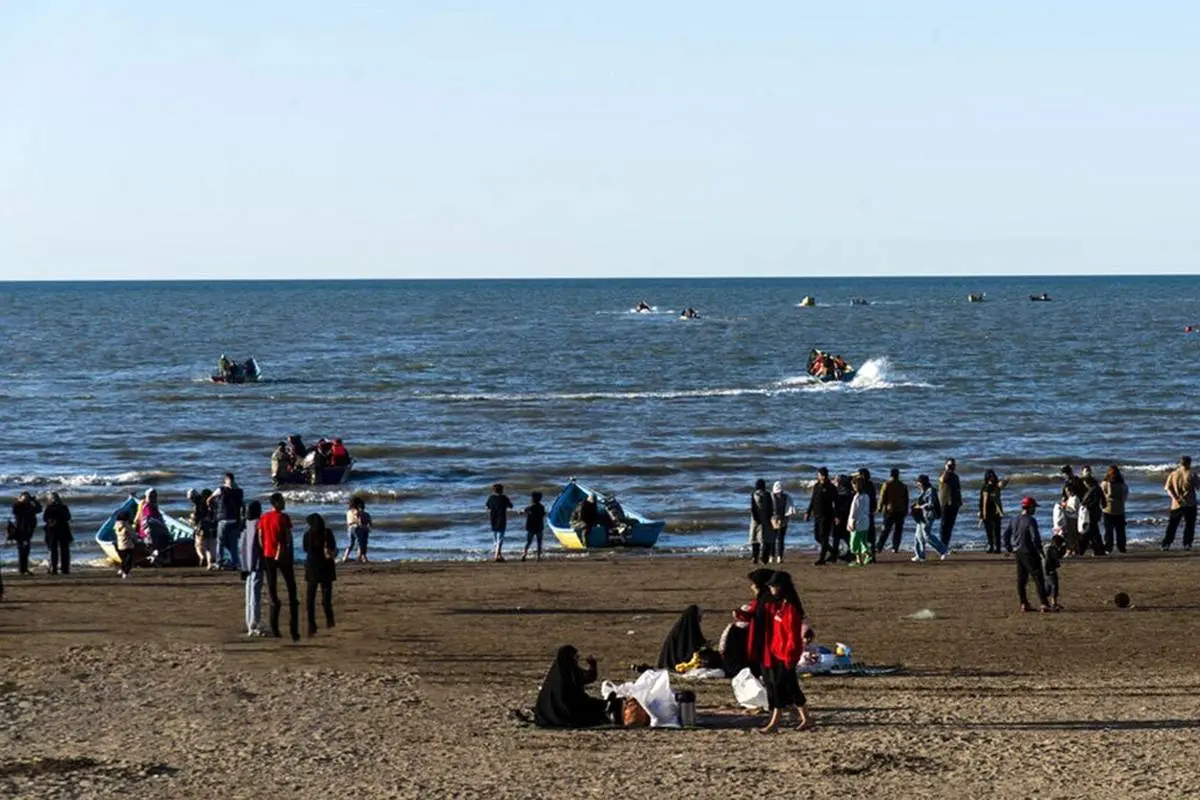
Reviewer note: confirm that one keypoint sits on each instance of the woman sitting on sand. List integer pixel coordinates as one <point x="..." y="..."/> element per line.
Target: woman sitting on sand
<point x="563" y="701"/>
<point x="685" y="645"/>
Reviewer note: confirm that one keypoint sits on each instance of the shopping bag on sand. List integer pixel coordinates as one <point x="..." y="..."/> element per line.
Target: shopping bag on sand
<point x="748" y="690"/>
<point x="652" y="690"/>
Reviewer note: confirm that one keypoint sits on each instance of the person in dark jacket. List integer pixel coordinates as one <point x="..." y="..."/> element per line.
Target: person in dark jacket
<point x="498" y="505"/>
<point x="991" y="510"/>
<point x="893" y="507"/>
<point x="822" y="510"/>
<point x="841" y="535"/>
<point x="950" y="499"/>
<point x="57" y="519"/>
<point x="760" y="519"/>
<point x="228" y="508"/>
<point x="25" y="519"/>
<point x="1092" y="509"/>
<point x="872" y="492"/>
<point x="1022" y="538"/>
<point x="320" y="559"/>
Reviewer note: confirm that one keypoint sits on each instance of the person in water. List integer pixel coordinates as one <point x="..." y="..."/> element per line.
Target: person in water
<point x="320" y="558"/>
<point x="57" y="520"/>
<point x="358" y="526"/>
<point x="339" y="456"/>
<point x="785" y="644"/>
<point x="684" y="641"/>
<point x="563" y="701"/>
<point x="535" y="524"/>
<point x="498" y="505"/>
<point x="281" y="465"/>
<point x="224" y="367"/>
<point x="1021" y="538"/>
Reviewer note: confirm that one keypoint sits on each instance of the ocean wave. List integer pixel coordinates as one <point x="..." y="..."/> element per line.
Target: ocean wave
<point x="134" y="478"/>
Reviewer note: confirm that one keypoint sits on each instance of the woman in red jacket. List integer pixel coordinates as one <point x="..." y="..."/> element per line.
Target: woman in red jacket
<point x="785" y="643"/>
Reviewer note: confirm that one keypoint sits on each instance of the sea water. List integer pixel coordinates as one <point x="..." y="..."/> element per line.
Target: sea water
<point x="442" y="388"/>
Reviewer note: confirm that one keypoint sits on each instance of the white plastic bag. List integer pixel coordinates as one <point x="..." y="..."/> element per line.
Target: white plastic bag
<point x="652" y="690"/>
<point x="749" y="691"/>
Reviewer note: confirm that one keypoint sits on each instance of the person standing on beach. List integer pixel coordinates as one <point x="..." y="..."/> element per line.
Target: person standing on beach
<point x="870" y="490"/>
<point x="924" y="512"/>
<point x="204" y="537"/>
<point x="841" y="535"/>
<point x="859" y="524"/>
<point x="279" y="558"/>
<point x="785" y="643"/>
<point x="535" y="524"/>
<point x="251" y="557"/>
<point x="1113" y="512"/>
<point x="991" y="509"/>
<point x="950" y="499"/>
<point x="893" y="507"/>
<point x="320" y="559"/>
<point x="1181" y="488"/>
<point x="126" y="536"/>
<point x="822" y="510"/>
<point x="229" y="507"/>
<point x="498" y="505"/>
<point x="781" y="511"/>
<point x="57" y="519"/>
<point x="761" y="509"/>
<point x="1072" y="495"/>
<point x="25" y="519"/>
<point x="1090" y="505"/>
<point x="1021" y="537"/>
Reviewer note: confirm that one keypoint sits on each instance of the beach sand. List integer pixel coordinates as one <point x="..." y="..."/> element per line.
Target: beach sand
<point x="149" y="688"/>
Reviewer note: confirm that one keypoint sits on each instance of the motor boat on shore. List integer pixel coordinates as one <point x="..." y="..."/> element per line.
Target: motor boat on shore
<point x="182" y="552"/>
<point x="620" y="526"/>
<point x="829" y="368"/>
<point x="233" y="372"/>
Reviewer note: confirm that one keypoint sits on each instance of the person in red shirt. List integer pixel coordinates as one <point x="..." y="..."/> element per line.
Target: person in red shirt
<point x="785" y="643"/>
<point x="278" y="549"/>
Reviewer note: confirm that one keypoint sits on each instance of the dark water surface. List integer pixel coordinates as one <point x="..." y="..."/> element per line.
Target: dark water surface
<point x="441" y="388"/>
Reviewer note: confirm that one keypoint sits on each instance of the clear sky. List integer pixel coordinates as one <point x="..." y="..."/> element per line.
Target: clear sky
<point x="490" y="139"/>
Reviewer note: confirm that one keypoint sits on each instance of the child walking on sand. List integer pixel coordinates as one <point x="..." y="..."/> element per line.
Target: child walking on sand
<point x="1051" y="561"/>
<point x="859" y="523"/>
<point x="535" y="523"/>
<point x="498" y="505"/>
<point x="125" y="540"/>
<point x="358" y="525"/>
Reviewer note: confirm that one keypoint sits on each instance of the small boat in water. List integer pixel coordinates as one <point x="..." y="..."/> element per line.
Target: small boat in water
<point x="808" y="302"/>
<point x="183" y="548"/>
<point x="689" y="313"/>
<point x="1040" y="298"/>
<point x="643" y="308"/>
<point x="976" y="297"/>
<point x="628" y="528"/>
<point x="834" y="369"/>
<point x="248" y="372"/>
<point x="860" y="301"/>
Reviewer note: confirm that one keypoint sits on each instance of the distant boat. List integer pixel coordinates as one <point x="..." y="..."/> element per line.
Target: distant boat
<point x="976" y="297"/>
<point x="689" y="313"/>
<point x="860" y="301"/>
<point x="642" y="532"/>
<point x="643" y="308"/>
<point x="183" y="548"/>
<point x="808" y="301"/>
<point x="1040" y="298"/>
<point x="247" y="373"/>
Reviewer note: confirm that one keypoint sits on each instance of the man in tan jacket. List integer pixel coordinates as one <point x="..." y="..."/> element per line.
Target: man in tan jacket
<point x="1181" y="488"/>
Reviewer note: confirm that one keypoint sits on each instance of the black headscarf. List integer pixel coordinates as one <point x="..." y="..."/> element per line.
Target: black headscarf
<point x="787" y="590"/>
<point x="563" y="701"/>
<point x="684" y="640"/>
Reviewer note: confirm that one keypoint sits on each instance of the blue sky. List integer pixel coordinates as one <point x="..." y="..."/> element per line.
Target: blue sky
<point x="305" y="139"/>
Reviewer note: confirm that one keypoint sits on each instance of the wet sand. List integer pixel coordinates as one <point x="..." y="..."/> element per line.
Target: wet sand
<point x="148" y="688"/>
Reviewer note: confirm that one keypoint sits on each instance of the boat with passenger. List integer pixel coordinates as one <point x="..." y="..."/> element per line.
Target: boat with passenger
<point x="828" y="368"/>
<point x="583" y="519"/>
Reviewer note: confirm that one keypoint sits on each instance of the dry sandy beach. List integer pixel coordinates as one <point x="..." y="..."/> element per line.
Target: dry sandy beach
<point x="147" y="688"/>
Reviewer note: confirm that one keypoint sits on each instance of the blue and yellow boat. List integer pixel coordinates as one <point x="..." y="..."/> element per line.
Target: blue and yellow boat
<point x="637" y="531"/>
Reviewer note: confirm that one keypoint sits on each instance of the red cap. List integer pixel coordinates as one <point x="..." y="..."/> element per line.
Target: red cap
<point x="1028" y="502"/>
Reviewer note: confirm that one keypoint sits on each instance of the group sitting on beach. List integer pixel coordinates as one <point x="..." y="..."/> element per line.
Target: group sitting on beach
<point x="767" y="638"/>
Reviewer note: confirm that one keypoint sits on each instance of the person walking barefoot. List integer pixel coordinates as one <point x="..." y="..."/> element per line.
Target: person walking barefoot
<point x="785" y="643"/>
<point x="498" y="505"/>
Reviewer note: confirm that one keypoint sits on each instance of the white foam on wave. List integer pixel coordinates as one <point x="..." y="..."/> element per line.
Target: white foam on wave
<point x="133" y="478"/>
<point x="1150" y="468"/>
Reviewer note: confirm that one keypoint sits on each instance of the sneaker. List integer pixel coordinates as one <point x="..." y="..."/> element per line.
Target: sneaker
<point x="917" y="559"/>
<point x="124" y="575"/>
<point x="1024" y="608"/>
<point x="944" y="555"/>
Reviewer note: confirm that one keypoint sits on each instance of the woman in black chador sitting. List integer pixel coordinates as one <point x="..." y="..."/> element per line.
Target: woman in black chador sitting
<point x="564" y="701"/>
